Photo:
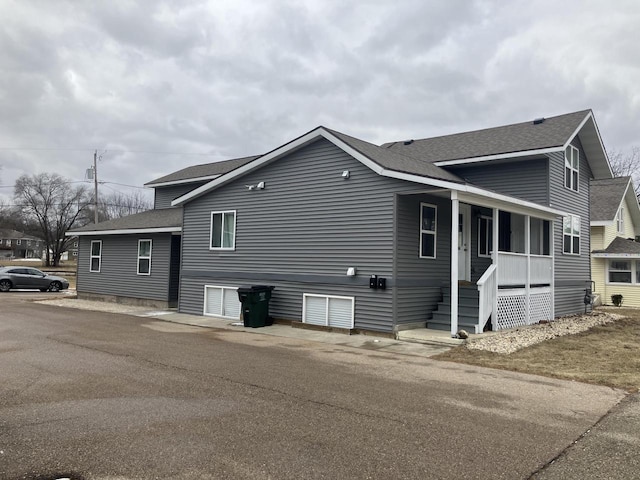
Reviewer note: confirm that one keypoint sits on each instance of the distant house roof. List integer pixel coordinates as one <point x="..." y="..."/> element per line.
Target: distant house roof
<point x="606" y="195"/>
<point x="6" y="233"/>
<point x="205" y="171"/>
<point x="619" y="247"/>
<point x="151" y="221"/>
<point x="540" y="136"/>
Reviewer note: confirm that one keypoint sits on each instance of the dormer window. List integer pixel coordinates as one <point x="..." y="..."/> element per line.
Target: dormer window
<point x="620" y="220"/>
<point x="571" y="167"/>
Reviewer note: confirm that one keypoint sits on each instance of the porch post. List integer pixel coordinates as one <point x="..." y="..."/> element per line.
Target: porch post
<point x="553" y="268"/>
<point x="494" y="257"/>
<point x="527" y="250"/>
<point x="455" y="212"/>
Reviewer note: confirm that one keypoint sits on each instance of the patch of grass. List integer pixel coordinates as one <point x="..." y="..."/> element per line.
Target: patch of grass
<point x="604" y="355"/>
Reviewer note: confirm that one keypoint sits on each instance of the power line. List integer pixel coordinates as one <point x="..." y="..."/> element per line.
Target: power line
<point x="149" y="152"/>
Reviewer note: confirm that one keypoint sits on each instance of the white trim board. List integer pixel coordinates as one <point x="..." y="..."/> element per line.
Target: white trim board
<point x="181" y="182"/>
<point x="126" y="231"/>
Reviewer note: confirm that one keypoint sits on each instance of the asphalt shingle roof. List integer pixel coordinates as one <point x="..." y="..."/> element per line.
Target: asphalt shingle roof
<point x="606" y="195"/>
<point x="396" y="161"/>
<point x="621" y="246"/>
<point x="203" y="170"/>
<point x="159" y="218"/>
<point x="518" y="137"/>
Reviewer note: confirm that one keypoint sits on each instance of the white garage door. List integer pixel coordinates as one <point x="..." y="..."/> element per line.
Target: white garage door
<point x="221" y="302"/>
<point x="329" y="311"/>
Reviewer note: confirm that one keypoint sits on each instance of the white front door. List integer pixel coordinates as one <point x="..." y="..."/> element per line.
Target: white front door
<point x="464" y="243"/>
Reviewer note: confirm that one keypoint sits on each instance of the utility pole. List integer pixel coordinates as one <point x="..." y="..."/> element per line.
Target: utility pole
<point x="95" y="183"/>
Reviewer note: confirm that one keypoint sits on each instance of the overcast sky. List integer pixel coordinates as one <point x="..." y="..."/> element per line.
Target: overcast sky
<point x="156" y="86"/>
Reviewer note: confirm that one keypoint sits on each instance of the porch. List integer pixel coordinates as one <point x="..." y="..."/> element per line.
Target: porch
<point x="499" y="259"/>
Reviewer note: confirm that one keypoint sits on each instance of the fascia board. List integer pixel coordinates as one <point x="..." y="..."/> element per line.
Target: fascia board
<point x="181" y="182"/>
<point x="125" y="231"/>
<point x="615" y="255"/>
<point x="601" y="223"/>
<point x="501" y="156"/>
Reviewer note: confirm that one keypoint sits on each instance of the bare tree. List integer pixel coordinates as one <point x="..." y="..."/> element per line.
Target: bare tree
<point x="55" y="205"/>
<point x="626" y="165"/>
<point x="118" y="205"/>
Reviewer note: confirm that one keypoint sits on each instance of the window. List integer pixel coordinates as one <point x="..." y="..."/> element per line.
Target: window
<point x="221" y="302"/>
<point x="620" y="271"/>
<point x="75" y="244"/>
<point x="75" y="253"/>
<point x="485" y="236"/>
<point x="144" y="257"/>
<point x="539" y="235"/>
<point x="571" y="167"/>
<point x="19" y="242"/>
<point x="223" y="231"/>
<point x="96" y="256"/>
<point x="620" y="220"/>
<point x="571" y="235"/>
<point x="428" y="219"/>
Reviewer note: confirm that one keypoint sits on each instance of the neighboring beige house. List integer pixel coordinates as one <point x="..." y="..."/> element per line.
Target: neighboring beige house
<point x="615" y="255"/>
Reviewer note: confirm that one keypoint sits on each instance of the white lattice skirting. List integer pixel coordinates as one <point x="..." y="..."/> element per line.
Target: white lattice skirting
<point x="512" y="307"/>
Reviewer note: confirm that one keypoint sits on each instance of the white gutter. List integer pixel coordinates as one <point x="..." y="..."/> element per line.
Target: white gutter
<point x="124" y="231"/>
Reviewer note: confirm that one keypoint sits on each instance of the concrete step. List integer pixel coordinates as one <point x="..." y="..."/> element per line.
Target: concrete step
<point x="442" y="321"/>
<point x="429" y="337"/>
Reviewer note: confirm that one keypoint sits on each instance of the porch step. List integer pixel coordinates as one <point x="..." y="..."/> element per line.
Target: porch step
<point x="464" y="309"/>
<point x="442" y="321"/>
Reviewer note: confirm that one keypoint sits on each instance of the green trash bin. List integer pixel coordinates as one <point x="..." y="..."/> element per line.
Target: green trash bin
<point x="255" y="305"/>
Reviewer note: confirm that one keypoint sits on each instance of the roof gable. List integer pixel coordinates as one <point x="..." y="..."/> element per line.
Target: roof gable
<point x="607" y="195"/>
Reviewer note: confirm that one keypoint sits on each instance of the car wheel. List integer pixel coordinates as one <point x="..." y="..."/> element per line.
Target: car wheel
<point x="5" y="285"/>
<point x="55" y="287"/>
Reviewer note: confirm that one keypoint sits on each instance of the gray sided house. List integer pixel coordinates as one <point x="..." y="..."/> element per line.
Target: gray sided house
<point x="136" y="259"/>
<point x="479" y="230"/>
<point x="485" y="229"/>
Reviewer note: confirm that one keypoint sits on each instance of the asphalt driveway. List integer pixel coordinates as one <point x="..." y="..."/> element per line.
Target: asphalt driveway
<point x="105" y="396"/>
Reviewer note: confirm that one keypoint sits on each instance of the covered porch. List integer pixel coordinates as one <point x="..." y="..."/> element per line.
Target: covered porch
<point x="518" y="285"/>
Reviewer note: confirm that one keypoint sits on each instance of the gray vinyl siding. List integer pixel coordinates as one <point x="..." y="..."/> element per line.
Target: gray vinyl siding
<point x="419" y="280"/>
<point x="525" y="179"/>
<point x="165" y="195"/>
<point x="119" y="265"/>
<point x="300" y="234"/>
<point x="571" y="271"/>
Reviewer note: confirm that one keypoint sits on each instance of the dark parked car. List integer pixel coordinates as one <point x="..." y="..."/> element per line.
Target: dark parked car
<point x="26" y="277"/>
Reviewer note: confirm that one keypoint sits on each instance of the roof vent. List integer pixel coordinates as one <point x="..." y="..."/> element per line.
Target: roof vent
<point x="538" y="121"/>
<point x="408" y="142"/>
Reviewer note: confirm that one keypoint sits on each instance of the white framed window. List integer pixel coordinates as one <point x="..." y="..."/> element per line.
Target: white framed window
<point x="221" y="302"/>
<point x="428" y="222"/>
<point x="75" y="253"/>
<point x="96" y="256"/>
<point x="623" y="271"/>
<point x="75" y="244"/>
<point x="620" y="220"/>
<point x="19" y="242"/>
<point x="222" y="235"/>
<point x="571" y="235"/>
<point x="144" y="257"/>
<point x="485" y="236"/>
<point x="571" y="168"/>
<point x="328" y="310"/>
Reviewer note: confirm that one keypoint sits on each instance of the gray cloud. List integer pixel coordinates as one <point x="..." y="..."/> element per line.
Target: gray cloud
<point x="154" y="83"/>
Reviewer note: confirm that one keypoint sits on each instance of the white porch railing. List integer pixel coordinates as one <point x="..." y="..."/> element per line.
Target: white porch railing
<point x="487" y="289"/>
<point x="520" y="269"/>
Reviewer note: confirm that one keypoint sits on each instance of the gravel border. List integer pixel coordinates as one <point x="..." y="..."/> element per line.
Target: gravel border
<point x="510" y="341"/>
